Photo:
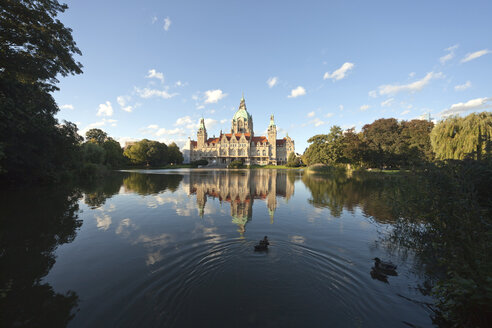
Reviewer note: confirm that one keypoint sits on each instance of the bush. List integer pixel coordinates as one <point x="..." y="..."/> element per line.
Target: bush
<point x="202" y="162"/>
<point x="237" y="164"/>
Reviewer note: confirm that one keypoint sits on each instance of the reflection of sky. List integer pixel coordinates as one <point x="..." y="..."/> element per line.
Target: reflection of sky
<point x="133" y="237"/>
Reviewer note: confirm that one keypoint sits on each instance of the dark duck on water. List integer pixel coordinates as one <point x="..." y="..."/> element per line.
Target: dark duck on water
<point x="262" y="245"/>
<point x="384" y="266"/>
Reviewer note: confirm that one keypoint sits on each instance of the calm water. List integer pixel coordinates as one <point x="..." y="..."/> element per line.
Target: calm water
<point x="175" y="249"/>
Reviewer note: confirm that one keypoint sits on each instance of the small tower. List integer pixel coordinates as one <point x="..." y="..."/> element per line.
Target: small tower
<point x="272" y="139"/>
<point x="201" y="135"/>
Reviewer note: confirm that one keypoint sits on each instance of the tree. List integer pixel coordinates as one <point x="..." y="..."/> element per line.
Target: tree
<point x="93" y="153"/>
<point x="35" y="48"/>
<point x="96" y="136"/>
<point x="416" y="136"/>
<point x="461" y="137"/>
<point x="353" y="148"/>
<point x="325" y="148"/>
<point x="113" y="153"/>
<point x="175" y="155"/>
<point x="383" y="141"/>
<point x="147" y="152"/>
<point x="293" y="160"/>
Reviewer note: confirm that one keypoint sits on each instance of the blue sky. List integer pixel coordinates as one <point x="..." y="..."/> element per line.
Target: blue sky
<point x="152" y="69"/>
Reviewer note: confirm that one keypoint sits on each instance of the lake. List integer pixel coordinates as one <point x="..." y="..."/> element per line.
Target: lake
<point x="175" y="248"/>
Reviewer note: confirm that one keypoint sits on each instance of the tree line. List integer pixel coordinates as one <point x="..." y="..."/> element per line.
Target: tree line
<point x="101" y="152"/>
<point x="391" y="144"/>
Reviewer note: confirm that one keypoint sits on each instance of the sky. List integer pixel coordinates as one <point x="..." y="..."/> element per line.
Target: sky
<point x="152" y="69"/>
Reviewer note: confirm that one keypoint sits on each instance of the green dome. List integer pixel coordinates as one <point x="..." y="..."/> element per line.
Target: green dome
<point x="241" y="113"/>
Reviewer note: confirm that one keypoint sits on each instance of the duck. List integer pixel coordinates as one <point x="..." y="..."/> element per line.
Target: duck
<point x="262" y="245"/>
<point x="387" y="267"/>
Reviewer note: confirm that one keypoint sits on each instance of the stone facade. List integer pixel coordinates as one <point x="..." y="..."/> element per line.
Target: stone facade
<point x="241" y="143"/>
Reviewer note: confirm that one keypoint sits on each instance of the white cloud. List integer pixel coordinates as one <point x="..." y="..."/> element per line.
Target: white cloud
<point x="462" y="87"/>
<point x="183" y="120"/>
<point x="272" y="81"/>
<point x="475" y="55"/>
<point x="339" y="73"/>
<point x="364" y="107"/>
<point x="66" y="106"/>
<point x="148" y="93"/>
<point x="299" y="91"/>
<point x="164" y="131"/>
<point x="223" y="121"/>
<point x="373" y="93"/>
<point x="405" y="112"/>
<point x="153" y="127"/>
<point x="412" y="74"/>
<point x="449" y="55"/>
<point x="213" y="96"/>
<point x="310" y="114"/>
<point x="340" y="107"/>
<point x="387" y="102"/>
<point x="317" y="122"/>
<point x="105" y="109"/>
<point x="411" y="87"/>
<point x="329" y="115"/>
<point x="153" y="74"/>
<point x="122" y="101"/>
<point x="210" y="123"/>
<point x="167" y="24"/>
<point x="474" y="104"/>
<point x="154" y="19"/>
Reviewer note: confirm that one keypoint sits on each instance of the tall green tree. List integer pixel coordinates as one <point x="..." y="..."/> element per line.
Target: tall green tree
<point x="325" y="148"/>
<point x="175" y="155"/>
<point x="112" y="152"/>
<point x="147" y="152"/>
<point x="96" y="136"/>
<point x="383" y="141"/>
<point x="353" y="148"/>
<point x="35" y="48"/>
<point x="416" y="136"/>
<point x="462" y="137"/>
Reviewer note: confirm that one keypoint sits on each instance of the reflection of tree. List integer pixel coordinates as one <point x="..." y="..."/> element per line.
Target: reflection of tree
<point x="446" y="220"/>
<point x="146" y="184"/>
<point x="29" y="236"/>
<point x="443" y="216"/>
<point x="96" y="192"/>
<point x="373" y="194"/>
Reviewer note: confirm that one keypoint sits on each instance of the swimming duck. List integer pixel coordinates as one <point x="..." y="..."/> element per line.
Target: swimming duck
<point x="262" y="245"/>
<point x="385" y="266"/>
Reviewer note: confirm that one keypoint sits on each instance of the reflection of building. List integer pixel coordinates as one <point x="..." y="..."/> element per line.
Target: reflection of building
<point x="240" y="189"/>
<point x="241" y="143"/>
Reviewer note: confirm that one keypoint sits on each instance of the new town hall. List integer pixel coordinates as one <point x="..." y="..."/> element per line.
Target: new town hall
<point x="241" y="143"/>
